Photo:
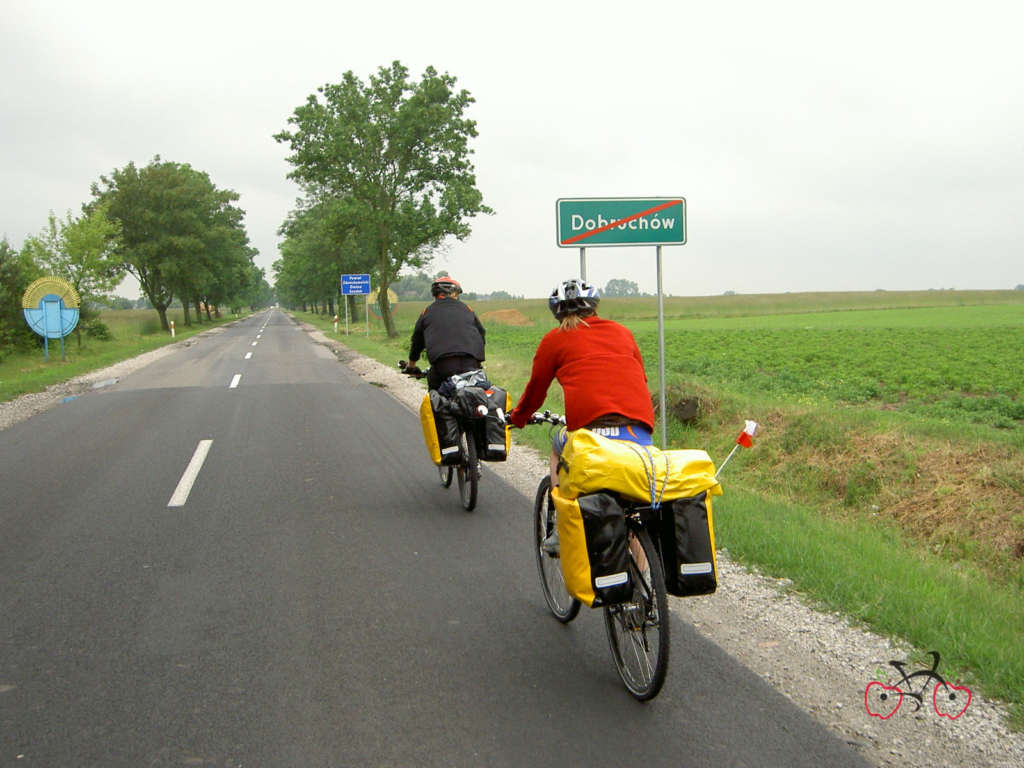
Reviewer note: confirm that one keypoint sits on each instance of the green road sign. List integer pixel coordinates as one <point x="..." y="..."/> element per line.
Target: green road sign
<point x="593" y="222"/>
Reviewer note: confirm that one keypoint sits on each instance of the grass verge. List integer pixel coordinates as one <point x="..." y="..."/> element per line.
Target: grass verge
<point x="132" y="332"/>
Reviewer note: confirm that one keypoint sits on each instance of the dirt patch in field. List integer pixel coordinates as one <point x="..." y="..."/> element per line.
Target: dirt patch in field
<point x="962" y="499"/>
<point x="938" y="493"/>
<point x="506" y="317"/>
<point x="973" y="494"/>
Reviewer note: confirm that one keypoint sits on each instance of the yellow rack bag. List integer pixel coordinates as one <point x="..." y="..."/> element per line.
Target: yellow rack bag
<point x="593" y="463"/>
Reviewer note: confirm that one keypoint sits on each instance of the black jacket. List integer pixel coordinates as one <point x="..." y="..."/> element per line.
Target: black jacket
<point x="447" y="327"/>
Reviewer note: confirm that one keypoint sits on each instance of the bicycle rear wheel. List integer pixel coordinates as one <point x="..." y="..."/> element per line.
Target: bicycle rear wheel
<point x="638" y="629"/>
<point x="468" y="470"/>
<point x="562" y="604"/>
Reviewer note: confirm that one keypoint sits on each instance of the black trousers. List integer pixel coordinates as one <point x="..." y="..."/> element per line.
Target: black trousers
<point x="449" y="366"/>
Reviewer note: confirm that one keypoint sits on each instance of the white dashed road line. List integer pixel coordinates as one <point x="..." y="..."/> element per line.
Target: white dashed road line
<point x="248" y="355"/>
<point x="181" y="493"/>
<point x="234" y="381"/>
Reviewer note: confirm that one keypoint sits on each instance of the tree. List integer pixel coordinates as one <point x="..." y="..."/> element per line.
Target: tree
<point x="319" y="247"/>
<point x="415" y="286"/>
<point x="178" y="231"/>
<point x="17" y="271"/>
<point x="82" y="251"/>
<point x="393" y="157"/>
<point x="619" y="287"/>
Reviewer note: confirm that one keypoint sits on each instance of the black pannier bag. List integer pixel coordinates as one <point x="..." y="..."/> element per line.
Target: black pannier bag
<point x="489" y="405"/>
<point x="496" y="436"/>
<point x="604" y="526"/>
<point x="686" y="534"/>
<point x="447" y="428"/>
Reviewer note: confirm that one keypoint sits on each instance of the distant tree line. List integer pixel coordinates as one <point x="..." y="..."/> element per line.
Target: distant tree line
<point x="166" y="224"/>
<point x="416" y="287"/>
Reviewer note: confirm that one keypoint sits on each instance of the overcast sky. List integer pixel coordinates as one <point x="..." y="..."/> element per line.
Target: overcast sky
<point x="872" y="145"/>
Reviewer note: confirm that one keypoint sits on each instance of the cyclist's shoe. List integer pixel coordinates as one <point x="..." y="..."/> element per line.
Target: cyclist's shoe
<point x="550" y="545"/>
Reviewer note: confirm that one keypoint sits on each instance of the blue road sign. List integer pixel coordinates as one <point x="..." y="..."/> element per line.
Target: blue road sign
<point x="355" y="284"/>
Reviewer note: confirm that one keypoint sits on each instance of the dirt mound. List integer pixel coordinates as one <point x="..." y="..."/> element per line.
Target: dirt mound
<point x="506" y="317"/>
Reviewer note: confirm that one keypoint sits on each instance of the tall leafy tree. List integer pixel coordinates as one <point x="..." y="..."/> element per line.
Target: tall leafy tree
<point x="393" y="155"/>
<point x="173" y="223"/>
<point x="17" y="271"/>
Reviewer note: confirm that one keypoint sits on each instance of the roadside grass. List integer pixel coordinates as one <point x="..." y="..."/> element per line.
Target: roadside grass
<point x="903" y="515"/>
<point x="870" y="573"/>
<point x="132" y="332"/>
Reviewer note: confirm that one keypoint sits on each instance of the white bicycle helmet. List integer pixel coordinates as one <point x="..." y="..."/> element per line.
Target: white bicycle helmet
<point x="573" y="297"/>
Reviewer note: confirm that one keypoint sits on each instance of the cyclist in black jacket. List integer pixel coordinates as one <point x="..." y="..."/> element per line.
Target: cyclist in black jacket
<point x="450" y="332"/>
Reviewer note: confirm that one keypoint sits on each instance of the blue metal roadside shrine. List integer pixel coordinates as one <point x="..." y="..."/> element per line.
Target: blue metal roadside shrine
<point x="50" y="305"/>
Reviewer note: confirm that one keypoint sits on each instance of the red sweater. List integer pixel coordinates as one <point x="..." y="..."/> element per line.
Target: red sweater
<point x="600" y="369"/>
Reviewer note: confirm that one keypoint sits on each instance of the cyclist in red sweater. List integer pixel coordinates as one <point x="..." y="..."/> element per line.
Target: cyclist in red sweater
<point x="599" y="366"/>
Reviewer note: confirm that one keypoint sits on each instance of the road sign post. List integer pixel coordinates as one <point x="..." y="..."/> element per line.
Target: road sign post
<point x="356" y="285"/>
<point x="584" y="222"/>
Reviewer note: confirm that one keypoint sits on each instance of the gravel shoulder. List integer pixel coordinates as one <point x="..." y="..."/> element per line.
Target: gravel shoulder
<point x="818" y="660"/>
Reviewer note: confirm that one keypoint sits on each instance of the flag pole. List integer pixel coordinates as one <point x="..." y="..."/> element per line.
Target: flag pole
<point x="734" y="449"/>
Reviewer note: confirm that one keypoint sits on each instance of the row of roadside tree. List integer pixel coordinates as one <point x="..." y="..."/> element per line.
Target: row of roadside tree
<point x="165" y="224"/>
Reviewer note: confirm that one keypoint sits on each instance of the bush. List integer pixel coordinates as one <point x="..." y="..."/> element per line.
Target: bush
<point x="96" y="329"/>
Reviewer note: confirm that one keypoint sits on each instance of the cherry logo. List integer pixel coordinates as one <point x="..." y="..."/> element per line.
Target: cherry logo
<point x="881" y="700"/>
<point x="950" y="700"/>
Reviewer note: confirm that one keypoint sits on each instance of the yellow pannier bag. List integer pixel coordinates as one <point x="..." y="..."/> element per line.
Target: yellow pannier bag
<point x="430" y="429"/>
<point x="593" y="463"/>
<point x="593" y="548"/>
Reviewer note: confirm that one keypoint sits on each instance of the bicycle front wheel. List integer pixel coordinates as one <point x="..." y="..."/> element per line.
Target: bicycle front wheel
<point x="469" y="470"/>
<point x="552" y="584"/>
<point x="637" y="629"/>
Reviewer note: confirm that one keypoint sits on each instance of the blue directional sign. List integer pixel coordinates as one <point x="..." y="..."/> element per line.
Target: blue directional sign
<point x="355" y="285"/>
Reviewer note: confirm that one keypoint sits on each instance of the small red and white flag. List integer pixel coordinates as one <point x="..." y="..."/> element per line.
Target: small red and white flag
<point x="746" y="438"/>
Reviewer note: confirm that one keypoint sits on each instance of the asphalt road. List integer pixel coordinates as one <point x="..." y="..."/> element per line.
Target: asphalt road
<point x="314" y="598"/>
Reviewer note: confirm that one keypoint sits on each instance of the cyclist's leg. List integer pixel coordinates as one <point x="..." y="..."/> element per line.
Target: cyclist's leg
<point x="557" y="444"/>
<point x="550" y="545"/>
<point x="638" y="554"/>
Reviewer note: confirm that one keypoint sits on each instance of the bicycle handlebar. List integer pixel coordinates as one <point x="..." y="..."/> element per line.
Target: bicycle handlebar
<point x="547" y="417"/>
